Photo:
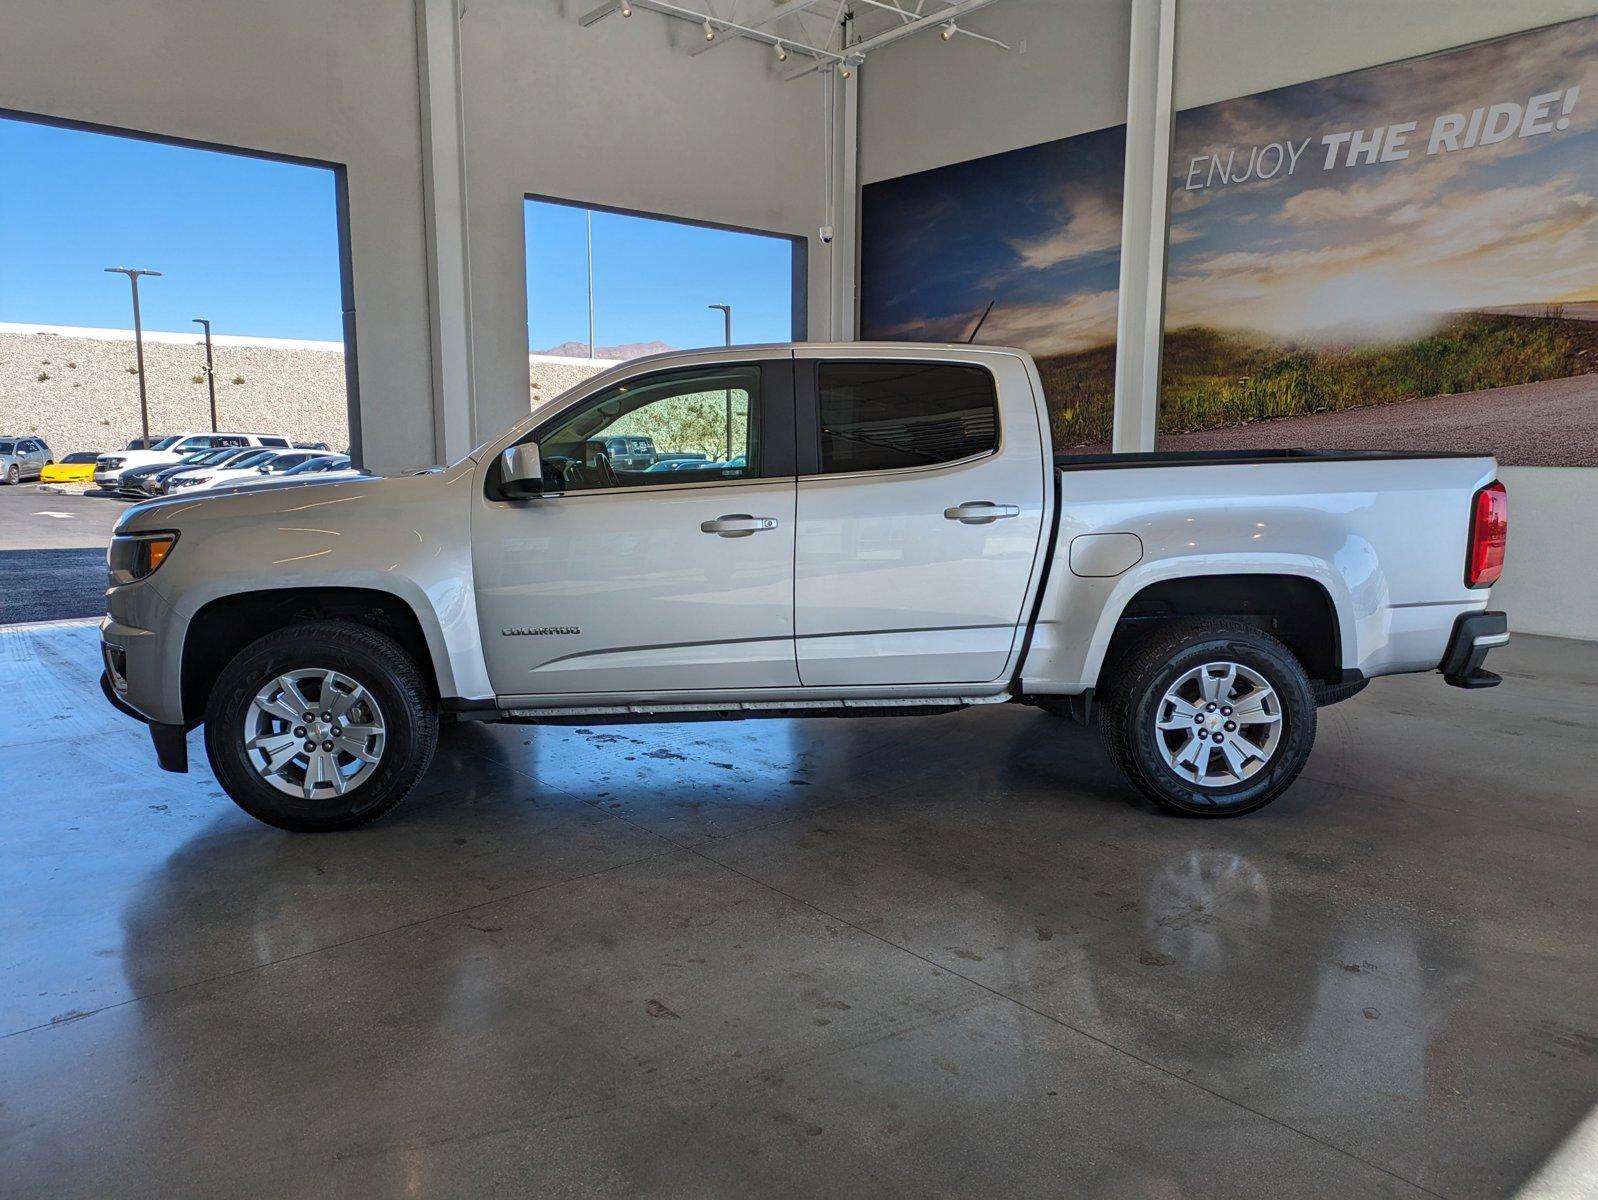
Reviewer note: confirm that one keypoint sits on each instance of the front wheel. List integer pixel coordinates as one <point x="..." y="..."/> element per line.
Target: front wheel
<point x="1209" y="718"/>
<point x="13" y="475"/>
<point x="320" y="726"/>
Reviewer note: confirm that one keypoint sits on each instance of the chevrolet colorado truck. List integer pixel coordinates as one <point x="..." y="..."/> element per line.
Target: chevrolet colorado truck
<point x="855" y="530"/>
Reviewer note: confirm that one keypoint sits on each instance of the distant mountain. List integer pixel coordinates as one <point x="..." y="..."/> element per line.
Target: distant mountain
<point x="618" y="353"/>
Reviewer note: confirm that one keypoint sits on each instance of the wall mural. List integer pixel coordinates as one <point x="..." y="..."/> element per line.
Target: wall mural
<point x="1035" y="234"/>
<point x="1402" y="257"/>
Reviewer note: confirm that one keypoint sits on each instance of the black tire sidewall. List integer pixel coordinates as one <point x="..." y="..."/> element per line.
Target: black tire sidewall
<point x="1280" y="669"/>
<point x="405" y="740"/>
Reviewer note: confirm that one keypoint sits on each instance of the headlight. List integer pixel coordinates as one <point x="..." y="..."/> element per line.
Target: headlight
<point x="134" y="556"/>
<point x="189" y="480"/>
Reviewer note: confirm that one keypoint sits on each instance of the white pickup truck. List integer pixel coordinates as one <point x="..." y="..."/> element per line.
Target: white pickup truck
<point x="847" y="530"/>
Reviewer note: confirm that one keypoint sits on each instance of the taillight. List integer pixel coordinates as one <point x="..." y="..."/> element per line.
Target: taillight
<point x="1489" y="531"/>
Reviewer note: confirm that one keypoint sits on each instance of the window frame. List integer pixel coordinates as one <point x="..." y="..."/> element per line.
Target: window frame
<point x="776" y="400"/>
<point x="807" y="416"/>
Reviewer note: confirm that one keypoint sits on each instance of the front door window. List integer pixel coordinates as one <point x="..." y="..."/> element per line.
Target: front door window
<point x="693" y="426"/>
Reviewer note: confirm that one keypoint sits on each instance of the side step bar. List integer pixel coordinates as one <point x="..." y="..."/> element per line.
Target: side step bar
<point x="722" y="710"/>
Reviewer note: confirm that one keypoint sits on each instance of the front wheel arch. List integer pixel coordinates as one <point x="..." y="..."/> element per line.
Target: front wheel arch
<point x="225" y="625"/>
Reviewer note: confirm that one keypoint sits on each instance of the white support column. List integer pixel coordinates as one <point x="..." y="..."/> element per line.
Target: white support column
<point x="1140" y="319"/>
<point x="449" y="271"/>
<point x="843" y="305"/>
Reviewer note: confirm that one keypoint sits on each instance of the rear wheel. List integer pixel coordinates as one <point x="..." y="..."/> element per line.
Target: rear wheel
<point x="1209" y="718"/>
<point x="320" y="726"/>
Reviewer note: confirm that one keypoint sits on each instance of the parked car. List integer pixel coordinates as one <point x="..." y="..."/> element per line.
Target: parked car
<point x="629" y="452"/>
<point x="900" y="540"/>
<point x="77" y="467"/>
<point x="109" y="468"/>
<point x="239" y="470"/>
<point x="23" y="458"/>
<point x="147" y="443"/>
<point x="146" y="481"/>
<point x="322" y="469"/>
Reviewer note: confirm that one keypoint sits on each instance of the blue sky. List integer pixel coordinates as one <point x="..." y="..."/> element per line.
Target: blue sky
<point x="253" y="245"/>
<point x="652" y="280"/>
<point x="249" y="243"/>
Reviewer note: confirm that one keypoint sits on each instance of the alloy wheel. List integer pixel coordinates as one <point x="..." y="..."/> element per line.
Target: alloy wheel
<point x="314" y="733"/>
<point x="1218" y="725"/>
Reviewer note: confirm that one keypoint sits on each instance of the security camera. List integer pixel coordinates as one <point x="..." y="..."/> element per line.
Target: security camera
<point x="826" y="234"/>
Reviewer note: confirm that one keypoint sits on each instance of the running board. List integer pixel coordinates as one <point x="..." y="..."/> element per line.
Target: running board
<point x="722" y="710"/>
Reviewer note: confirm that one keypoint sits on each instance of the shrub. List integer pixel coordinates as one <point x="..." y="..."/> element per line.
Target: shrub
<point x="131" y="370"/>
<point x="42" y="376"/>
<point x="238" y="379"/>
<point x="197" y="379"/>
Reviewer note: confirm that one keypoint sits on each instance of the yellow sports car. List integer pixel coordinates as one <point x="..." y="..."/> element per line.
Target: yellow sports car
<point x="74" y="468"/>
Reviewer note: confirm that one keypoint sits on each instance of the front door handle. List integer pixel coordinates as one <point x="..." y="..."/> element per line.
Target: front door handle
<point x="980" y="512"/>
<point x="737" y="525"/>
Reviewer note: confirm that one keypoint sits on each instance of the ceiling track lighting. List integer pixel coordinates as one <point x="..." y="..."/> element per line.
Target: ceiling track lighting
<point x="710" y="32"/>
<point x="948" y="31"/>
<point x="843" y="70"/>
<point x="626" y="9"/>
<point x="782" y="52"/>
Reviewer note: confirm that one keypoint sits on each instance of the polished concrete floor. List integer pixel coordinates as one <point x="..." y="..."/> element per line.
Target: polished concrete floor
<point x="949" y="956"/>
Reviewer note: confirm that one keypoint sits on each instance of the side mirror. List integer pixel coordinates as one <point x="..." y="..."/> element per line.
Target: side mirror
<point x="264" y="469"/>
<point x="521" y="472"/>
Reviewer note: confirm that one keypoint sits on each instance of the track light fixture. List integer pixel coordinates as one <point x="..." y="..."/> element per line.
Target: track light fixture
<point x="948" y="30"/>
<point x="626" y="9"/>
<point x="843" y="70"/>
<point x="710" y="32"/>
<point x="782" y="52"/>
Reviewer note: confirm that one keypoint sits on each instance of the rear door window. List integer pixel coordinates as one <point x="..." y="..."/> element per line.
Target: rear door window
<point x="882" y="416"/>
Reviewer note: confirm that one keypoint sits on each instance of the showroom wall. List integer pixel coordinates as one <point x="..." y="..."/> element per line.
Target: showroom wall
<point x="292" y="77"/>
<point x="1071" y="78"/>
<point x="614" y="115"/>
<point x="619" y="115"/>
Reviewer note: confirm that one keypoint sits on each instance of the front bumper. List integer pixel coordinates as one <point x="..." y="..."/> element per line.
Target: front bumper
<point x="1474" y="635"/>
<point x="142" y="674"/>
<point x="171" y="741"/>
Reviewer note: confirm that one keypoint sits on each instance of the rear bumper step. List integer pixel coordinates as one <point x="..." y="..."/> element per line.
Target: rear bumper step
<point x="1474" y="635"/>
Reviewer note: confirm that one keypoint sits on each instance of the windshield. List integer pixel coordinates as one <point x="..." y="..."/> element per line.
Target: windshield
<point x="82" y="456"/>
<point x="165" y="443"/>
<point x="254" y="460"/>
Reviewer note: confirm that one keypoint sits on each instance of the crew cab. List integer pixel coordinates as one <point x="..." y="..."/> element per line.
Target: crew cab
<point x="885" y="529"/>
<point x="109" y="469"/>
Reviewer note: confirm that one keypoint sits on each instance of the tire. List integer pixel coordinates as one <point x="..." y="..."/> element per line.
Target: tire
<point x="1174" y="665"/>
<point x="13" y="475"/>
<point x="376" y="688"/>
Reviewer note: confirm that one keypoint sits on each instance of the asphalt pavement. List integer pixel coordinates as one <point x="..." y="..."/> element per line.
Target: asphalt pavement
<point x="52" y="553"/>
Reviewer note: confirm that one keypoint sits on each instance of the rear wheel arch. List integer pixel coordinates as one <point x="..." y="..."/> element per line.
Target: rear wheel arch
<point x="224" y="626"/>
<point x="1297" y="610"/>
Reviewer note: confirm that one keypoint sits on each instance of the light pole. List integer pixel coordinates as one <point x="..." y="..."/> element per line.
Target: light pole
<point x="588" y="215"/>
<point x="133" y="274"/>
<point x="726" y="316"/>
<point x="210" y="369"/>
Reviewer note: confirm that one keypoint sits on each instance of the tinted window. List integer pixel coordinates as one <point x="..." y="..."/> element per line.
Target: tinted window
<point x="628" y="435"/>
<point x="82" y="456"/>
<point x="268" y="441"/>
<point x="8" y="447"/>
<point x="878" y="416"/>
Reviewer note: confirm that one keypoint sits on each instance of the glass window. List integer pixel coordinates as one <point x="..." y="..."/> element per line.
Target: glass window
<point x="699" y="425"/>
<point x="882" y="415"/>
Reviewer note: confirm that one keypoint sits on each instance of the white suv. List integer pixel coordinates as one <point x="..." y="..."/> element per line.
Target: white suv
<point x="109" y="468"/>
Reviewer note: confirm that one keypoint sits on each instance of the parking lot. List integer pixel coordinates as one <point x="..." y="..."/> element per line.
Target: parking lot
<point x="52" y="553"/>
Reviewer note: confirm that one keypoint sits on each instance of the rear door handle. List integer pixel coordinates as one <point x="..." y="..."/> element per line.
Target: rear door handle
<point x="980" y="512"/>
<point x="737" y="525"/>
